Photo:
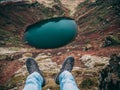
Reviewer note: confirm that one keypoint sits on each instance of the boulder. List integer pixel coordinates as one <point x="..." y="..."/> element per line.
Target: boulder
<point x="110" y="40"/>
<point x="109" y="77"/>
<point x="87" y="47"/>
<point x="94" y="61"/>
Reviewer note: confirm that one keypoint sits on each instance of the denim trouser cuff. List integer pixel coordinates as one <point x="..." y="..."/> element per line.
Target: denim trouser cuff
<point x="67" y="81"/>
<point x="34" y="82"/>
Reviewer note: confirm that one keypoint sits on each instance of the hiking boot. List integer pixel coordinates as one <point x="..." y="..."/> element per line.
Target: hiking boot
<point x="32" y="66"/>
<point x="66" y="66"/>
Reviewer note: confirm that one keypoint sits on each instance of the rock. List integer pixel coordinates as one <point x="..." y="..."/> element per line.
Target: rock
<point x="27" y="55"/>
<point x="59" y="53"/>
<point x="76" y="68"/>
<point x="24" y="57"/>
<point x="2" y="57"/>
<point x="88" y="82"/>
<point x="49" y="54"/>
<point x="45" y="64"/>
<point x="58" y="61"/>
<point x="8" y="57"/>
<point x="42" y="56"/>
<point x="109" y="77"/>
<point x="115" y="62"/>
<point x="92" y="61"/>
<point x="48" y="65"/>
<point x="87" y="47"/>
<point x="21" y="72"/>
<point x="79" y="55"/>
<point x="68" y="50"/>
<point x="110" y="40"/>
<point x="48" y="89"/>
<point x="2" y="43"/>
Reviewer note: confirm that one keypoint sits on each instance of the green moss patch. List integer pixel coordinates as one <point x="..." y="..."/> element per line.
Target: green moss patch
<point x="8" y="38"/>
<point x="88" y="83"/>
<point x="16" y="81"/>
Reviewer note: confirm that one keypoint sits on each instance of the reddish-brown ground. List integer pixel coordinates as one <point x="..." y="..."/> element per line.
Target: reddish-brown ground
<point x="74" y="49"/>
<point x="8" y="69"/>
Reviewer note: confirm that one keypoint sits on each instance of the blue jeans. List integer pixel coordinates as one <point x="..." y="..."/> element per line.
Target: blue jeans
<point x="67" y="82"/>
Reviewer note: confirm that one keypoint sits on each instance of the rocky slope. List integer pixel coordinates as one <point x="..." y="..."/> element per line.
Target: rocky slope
<point x="98" y="37"/>
<point x="50" y="69"/>
<point x="17" y="16"/>
<point x="109" y="77"/>
<point x="28" y="14"/>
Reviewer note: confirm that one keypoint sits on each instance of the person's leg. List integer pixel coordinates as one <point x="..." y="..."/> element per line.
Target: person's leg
<point x="35" y="81"/>
<point x="64" y="77"/>
<point x="67" y="81"/>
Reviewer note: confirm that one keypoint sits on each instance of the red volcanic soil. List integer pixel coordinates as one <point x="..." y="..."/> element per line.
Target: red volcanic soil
<point x="8" y="69"/>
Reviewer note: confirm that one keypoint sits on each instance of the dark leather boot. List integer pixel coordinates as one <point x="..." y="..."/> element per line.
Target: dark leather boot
<point x="67" y="65"/>
<point x="32" y="66"/>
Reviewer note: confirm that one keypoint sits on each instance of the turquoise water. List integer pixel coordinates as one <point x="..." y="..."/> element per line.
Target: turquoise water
<point x="51" y="33"/>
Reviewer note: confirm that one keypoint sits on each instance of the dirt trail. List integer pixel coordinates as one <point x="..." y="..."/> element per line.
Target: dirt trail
<point x="72" y="5"/>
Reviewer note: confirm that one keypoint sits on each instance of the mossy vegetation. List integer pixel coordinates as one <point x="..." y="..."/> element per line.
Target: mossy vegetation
<point x="85" y="3"/>
<point x="8" y="38"/>
<point x="114" y="40"/>
<point x="13" y="82"/>
<point x="88" y="83"/>
<point x="114" y="4"/>
<point x="94" y="17"/>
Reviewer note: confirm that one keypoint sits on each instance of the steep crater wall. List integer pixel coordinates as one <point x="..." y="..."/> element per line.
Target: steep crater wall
<point x="16" y="17"/>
